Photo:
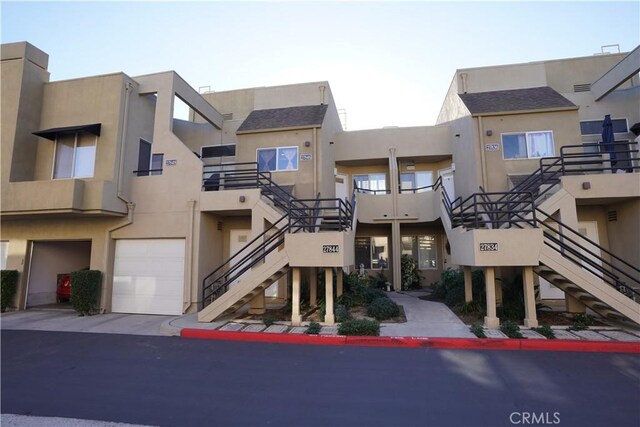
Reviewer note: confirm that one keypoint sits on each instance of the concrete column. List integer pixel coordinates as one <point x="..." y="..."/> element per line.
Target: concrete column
<point x="329" y="318"/>
<point x="339" y="273"/>
<point x="468" y="289"/>
<point x="574" y="305"/>
<point x="530" y="319"/>
<point x="490" y="320"/>
<point x="396" y="244"/>
<point x="296" y="319"/>
<point x="313" y="287"/>
<point x="257" y="305"/>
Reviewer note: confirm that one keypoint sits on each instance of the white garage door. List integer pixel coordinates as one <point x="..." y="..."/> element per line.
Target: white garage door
<point x="148" y="276"/>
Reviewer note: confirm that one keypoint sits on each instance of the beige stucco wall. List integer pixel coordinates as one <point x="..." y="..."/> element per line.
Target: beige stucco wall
<point x="564" y="125"/>
<point x="563" y="74"/>
<point x="624" y="234"/>
<point x="23" y="72"/>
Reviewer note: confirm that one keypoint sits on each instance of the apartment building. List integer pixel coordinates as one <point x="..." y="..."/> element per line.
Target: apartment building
<point x="261" y="189"/>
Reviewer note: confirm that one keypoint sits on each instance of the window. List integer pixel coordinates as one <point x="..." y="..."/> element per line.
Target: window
<point x="422" y="249"/>
<point x="376" y="182"/>
<point x="215" y="151"/>
<point x="372" y="252"/>
<point x="4" y="252"/>
<point x="148" y="164"/>
<point x="527" y="145"/>
<point x="594" y="127"/>
<point x="277" y="159"/>
<point x="416" y="181"/>
<point x="75" y="155"/>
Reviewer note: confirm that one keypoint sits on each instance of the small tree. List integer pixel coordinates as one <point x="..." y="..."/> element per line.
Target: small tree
<point x="85" y="288"/>
<point x="409" y="272"/>
<point x="8" y="288"/>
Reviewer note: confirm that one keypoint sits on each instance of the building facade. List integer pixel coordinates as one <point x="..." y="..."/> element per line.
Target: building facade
<point x="261" y="189"/>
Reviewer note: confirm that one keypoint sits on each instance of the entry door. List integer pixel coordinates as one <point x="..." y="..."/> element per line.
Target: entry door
<point x="589" y="229"/>
<point x="239" y="239"/>
<point x="341" y="187"/>
<point x="447" y="182"/>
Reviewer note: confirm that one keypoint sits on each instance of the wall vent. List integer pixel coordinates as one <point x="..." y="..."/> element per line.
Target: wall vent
<point x="227" y="116"/>
<point x="612" y="216"/>
<point x="585" y="87"/>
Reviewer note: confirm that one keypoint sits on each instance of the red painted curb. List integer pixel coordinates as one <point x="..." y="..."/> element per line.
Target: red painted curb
<point x="410" y="342"/>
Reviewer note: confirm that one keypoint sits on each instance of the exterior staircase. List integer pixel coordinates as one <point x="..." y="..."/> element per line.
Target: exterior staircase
<point x="610" y="287"/>
<point x="263" y="260"/>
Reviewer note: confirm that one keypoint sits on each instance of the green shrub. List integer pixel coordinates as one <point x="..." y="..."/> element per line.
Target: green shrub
<point x="546" y="331"/>
<point x="85" y="289"/>
<point x="511" y="329"/>
<point x="477" y="330"/>
<point x="8" y="286"/>
<point x="268" y="321"/>
<point x="581" y="322"/>
<point x="379" y="281"/>
<point x="314" y="328"/>
<point x="469" y="308"/>
<point x="341" y="313"/>
<point x="409" y="272"/>
<point x="360" y="327"/>
<point x="383" y="308"/>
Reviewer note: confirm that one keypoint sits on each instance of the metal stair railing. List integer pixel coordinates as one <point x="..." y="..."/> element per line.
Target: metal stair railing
<point x="574" y="246"/>
<point x="217" y="282"/>
<point x="297" y="216"/>
<point x="337" y="213"/>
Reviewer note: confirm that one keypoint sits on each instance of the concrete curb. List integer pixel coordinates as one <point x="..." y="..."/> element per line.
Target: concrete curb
<point x="411" y="342"/>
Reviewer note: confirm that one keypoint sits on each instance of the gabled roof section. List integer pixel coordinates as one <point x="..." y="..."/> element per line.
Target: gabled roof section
<point x="283" y="118"/>
<point x="505" y="101"/>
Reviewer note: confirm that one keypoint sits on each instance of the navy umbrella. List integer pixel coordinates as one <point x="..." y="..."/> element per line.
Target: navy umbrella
<point x="608" y="140"/>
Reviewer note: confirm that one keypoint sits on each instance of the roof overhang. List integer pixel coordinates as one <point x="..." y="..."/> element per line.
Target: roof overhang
<point x="52" y="133"/>
<point x="514" y="112"/>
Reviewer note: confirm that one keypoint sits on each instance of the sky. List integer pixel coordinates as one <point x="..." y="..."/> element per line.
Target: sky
<point x="387" y="63"/>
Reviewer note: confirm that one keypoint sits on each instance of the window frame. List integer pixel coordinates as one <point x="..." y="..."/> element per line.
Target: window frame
<point x="277" y="156"/>
<point x="526" y="143"/>
<point x="235" y="151"/>
<point x="371" y="253"/>
<point x="73" y="158"/>
<point x="613" y="119"/>
<point x="418" y="260"/>
<point x="368" y="175"/>
<point x="417" y="189"/>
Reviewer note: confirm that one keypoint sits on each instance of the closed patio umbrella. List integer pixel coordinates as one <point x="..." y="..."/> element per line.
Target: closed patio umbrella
<point x="608" y="141"/>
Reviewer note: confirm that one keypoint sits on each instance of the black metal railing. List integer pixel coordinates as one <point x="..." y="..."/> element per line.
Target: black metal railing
<point x="323" y="214"/>
<point x="581" y="250"/>
<point x="327" y="214"/>
<point x="218" y="281"/>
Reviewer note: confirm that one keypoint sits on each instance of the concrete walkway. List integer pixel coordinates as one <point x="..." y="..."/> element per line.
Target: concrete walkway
<point x="425" y="319"/>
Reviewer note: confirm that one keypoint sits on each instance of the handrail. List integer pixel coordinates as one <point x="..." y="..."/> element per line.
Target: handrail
<point x="611" y="275"/>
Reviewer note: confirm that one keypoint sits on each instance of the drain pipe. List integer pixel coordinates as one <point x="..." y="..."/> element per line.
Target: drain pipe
<point x="189" y="258"/>
<point x="123" y="139"/>
<point x="483" y="160"/>
<point x="315" y="162"/>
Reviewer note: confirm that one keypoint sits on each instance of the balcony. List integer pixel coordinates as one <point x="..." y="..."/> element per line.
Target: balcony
<point x="61" y="196"/>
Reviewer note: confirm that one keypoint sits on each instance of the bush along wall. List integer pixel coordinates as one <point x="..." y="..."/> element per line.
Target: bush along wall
<point x="8" y="287"/>
<point x="85" y="289"/>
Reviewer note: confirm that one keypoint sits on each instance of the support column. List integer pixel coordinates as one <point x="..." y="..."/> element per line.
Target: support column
<point x="396" y="245"/>
<point x="468" y="289"/>
<point x="574" y="305"/>
<point x="296" y="319"/>
<point x="329" y="318"/>
<point x="313" y="287"/>
<point x="530" y="316"/>
<point x="339" y="290"/>
<point x="490" y="320"/>
<point x="257" y="305"/>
